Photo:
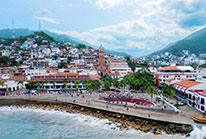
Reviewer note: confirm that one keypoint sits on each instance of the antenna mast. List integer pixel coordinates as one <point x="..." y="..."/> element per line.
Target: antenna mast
<point x="13" y="33"/>
<point x="39" y="25"/>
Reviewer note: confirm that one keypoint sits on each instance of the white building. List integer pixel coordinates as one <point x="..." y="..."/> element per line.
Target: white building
<point x="179" y="73"/>
<point x="119" y="66"/>
<point x="10" y="85"/>
<point x="201" y="75"/>
<point x="5" y="53"/>
<point x="192" y="93"/>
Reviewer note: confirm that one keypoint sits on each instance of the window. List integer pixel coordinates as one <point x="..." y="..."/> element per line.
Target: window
<point x="193" y="98"/>
<point x="202" y="101"/>
<point x="202" y="108"/>
<point x="190" y="96"/>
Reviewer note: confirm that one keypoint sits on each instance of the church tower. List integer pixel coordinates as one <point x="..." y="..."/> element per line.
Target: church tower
<point x="102" y="67"/>
<point x="101" y="56"/>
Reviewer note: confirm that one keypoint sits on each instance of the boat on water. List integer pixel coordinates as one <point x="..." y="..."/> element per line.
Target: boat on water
<point x="199" y="119"/>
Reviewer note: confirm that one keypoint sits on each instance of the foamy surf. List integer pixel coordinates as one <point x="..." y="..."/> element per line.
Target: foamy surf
<point x="87" y="121"/>
<point x="199" y="132"/>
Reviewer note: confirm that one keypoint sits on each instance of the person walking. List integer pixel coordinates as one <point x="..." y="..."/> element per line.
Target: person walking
<point x="135" y="105"/>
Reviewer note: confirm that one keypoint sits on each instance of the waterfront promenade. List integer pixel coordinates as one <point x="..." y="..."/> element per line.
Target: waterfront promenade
<point x="94" y="102"/>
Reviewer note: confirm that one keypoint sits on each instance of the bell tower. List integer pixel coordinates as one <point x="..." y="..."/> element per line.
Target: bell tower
<point x="102" y="67"/>
<point x="101" y="56"/>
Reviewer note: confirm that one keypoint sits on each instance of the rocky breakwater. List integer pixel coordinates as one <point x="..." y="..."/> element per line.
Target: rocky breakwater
<point x="122" y="121"/>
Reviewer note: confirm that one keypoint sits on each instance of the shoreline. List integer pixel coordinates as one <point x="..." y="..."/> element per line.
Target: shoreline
<point x="123" y="120"/>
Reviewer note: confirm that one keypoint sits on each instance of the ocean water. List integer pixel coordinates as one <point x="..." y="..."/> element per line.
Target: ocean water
<point x="27" y="123"/>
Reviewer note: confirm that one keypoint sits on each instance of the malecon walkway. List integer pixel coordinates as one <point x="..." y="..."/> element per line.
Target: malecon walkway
<point x="94" y="102"/>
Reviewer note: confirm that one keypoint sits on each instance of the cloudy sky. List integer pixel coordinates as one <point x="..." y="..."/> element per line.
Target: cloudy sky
<point x="134" y="26"/>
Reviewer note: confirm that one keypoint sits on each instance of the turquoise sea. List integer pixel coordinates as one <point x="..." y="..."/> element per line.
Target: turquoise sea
<point x="25" y="123"/>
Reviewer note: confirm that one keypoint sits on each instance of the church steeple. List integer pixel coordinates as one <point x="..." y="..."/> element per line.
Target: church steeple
<point x="101" y="48"/>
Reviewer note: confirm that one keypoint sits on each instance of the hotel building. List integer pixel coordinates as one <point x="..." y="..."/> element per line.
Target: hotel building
<point x="56" y="81"/>
<point x="177" y="73"/>
<point x="192" y="93"/>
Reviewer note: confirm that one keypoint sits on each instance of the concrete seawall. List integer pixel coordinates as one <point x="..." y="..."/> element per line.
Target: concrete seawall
<point x="125" y="119"/>
<point x="24" y="101"/>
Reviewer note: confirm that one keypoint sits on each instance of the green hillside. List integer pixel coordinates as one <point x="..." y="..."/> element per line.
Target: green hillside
<point x="194" y="43"/>
<point x="22" y="34"/>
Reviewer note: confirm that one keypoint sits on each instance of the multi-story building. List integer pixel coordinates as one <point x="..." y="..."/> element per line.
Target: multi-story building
<point x="178" y="73"/>
<point x="56" y="81"/>
<point x="39" y="62"/>
<point x="10" y="85"/>
<point x="119" y="66"/>
<point x="5" y="53"/>
<point x="192" y="93"/>
<point x="201" y="75"/>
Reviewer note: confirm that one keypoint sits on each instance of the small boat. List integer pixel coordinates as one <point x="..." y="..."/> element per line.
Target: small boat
<point x="199" y="119"/>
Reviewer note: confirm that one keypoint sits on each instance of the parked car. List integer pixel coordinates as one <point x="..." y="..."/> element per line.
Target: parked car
<point x="33" y="92"/>
<point x="181" y="103"/>
<point x="117" y="90"/>
<point x="132" y="91"/>
<point x="100" y="91"/>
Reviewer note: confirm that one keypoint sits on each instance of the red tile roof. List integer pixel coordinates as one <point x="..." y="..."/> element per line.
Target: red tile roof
<point x="113" y="74"/>
<point x="7" y="79"/>
<point x="38" y="79"/>
<point x="169" y="68"/>
<point x="95" y="77"/>
<point x="65" y="74"/>
<point x="187" y="83"/>
<point x="169" y="80"/>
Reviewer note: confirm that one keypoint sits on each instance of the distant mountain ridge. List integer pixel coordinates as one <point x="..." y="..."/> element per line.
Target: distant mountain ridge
<point x="7" y="33"/>
<point x="194" y="43"/>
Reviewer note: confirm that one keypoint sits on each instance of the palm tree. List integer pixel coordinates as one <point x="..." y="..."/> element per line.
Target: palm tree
<point x="65" y="81"/>
<point x="144" y="83"/>
<point x="69" y="86"/>
<point x="123" y="83"/>
<point x="130" y="79"/>
<point x="115" y="82"/>
<point x="36" y="84"/>
<point x="97" y="84"/>
<point x="20" y="83"/>
<point x="136" y="83"/>
<point x="77" y="82"/>
<point x="2" y="83"/>
<point x="45" y="82"/>
<point x="151" y="91"/>
<point x="167" y="90"/>
<point x="107" y="85"/>
<point x="144" y="70"/>
<point x="32" y="85"/>
<point x="86" y="82"/>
